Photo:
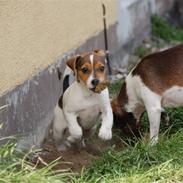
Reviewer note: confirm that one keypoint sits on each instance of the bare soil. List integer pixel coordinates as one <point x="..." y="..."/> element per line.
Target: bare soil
<point x="76" y="158"/>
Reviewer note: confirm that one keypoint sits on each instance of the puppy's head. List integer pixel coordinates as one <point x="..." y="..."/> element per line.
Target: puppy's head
<point x="89" y="68"/>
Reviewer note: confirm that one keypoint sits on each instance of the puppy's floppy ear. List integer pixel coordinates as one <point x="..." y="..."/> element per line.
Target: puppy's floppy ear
<point x="72" y="62"/>
<point x="100" y="52"/>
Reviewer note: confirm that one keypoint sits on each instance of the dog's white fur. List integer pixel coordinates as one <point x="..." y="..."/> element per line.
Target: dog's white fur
<point x="140" y="97"/>
<point x="81" y="110"/>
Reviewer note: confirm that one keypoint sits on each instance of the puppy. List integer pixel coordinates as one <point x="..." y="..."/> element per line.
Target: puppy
<point x="156" y="82"/>
<point x="81" y="105"/>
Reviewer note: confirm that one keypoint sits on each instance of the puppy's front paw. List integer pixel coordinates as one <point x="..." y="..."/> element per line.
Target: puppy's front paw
<point x="76" y="133"/>
<point x="62" y="147"/>
<point x="105" y="133"/>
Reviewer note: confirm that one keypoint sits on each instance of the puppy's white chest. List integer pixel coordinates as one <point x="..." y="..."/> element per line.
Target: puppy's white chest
<point x="77" y="98"/>
<point x="89" y="117"/>
<point x="173" y="97"/>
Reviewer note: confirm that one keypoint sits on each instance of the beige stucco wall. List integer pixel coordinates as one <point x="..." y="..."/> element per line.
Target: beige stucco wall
<point x="33" y="33"/>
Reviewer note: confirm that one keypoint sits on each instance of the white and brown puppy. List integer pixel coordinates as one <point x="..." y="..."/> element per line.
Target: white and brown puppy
<point x="80" y="107"/>
<point x="156" y="82"/>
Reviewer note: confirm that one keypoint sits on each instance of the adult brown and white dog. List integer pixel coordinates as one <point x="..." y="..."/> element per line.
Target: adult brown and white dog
<point x="81" y="107"/>
<point x="156" y="82"/>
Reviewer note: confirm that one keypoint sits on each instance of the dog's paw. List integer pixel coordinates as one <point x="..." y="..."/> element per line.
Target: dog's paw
<point x="105" y="133"/>
<point x="62" y="147"/>
<point x="153" y="141"/>
<point x="75" y="133"/>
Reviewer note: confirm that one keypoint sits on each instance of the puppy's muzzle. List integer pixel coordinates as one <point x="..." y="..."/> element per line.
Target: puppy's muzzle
<point x="95" y="82"/>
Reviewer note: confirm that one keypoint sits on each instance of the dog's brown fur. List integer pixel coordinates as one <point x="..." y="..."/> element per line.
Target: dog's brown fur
<point x="167" y="65"/>
<point x="159" y="72"/>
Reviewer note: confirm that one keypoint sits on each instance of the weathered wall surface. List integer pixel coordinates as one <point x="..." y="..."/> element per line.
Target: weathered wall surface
<point x="34" y="33"/>
<point x="161" y="7"/>
<point x="37" y="37"/>
<point x="133" y="26"/>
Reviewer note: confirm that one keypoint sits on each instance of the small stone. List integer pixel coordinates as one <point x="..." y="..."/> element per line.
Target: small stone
<point x="154" y="49"/>
<point x="134" y="59"/>
<point x="119" y="76"/>
<point x="147" y="40"/>
<point x="147" y="45"/>
<point x="121" y="70"/>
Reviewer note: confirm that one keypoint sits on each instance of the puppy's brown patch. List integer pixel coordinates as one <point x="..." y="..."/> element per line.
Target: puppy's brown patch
<point x="84" y="71"/>
<point x="99" y="69"/>
<point x="160" y="71"/>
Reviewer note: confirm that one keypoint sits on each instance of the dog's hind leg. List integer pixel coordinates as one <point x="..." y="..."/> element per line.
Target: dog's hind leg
<point x="153" y="107"/>
<point x="154" y="115"/>
<point x="59" y="127"/>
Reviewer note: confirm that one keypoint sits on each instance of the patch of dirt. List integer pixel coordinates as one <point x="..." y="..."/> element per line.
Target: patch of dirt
<point x="73" y="159"/>
<point x="76" y="158"/>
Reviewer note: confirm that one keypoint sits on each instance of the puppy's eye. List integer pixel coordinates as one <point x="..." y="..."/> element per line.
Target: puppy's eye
<point x="85" y="70"/>
<point x="101" y="69"/>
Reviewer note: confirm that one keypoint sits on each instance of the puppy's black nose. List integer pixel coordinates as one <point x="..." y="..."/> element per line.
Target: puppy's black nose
<point x="95" y="82"/>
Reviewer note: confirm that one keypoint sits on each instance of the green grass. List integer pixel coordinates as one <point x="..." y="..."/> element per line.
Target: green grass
<point x="114" y="88"/>
<point x="138" y="163"/>
<point x="14" y="169"/>
<point x="141" y="162"/>
<point x="162" y="29"/>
